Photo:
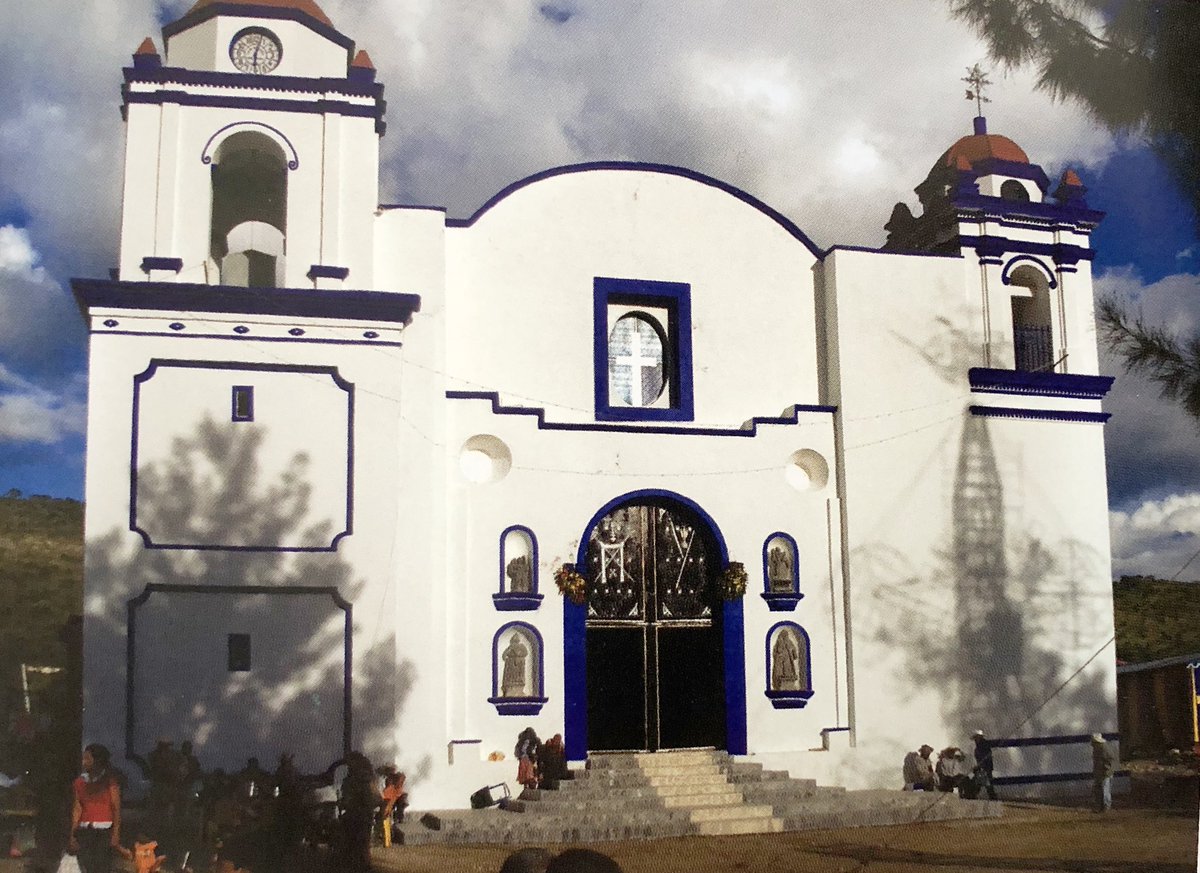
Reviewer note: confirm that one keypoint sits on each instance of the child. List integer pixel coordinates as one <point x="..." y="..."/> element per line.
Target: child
<point x="144" y="858"/>
<point x="395" y="801"/>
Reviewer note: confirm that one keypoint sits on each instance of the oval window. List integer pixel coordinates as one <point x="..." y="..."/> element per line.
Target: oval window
<point x="636" y="376"/>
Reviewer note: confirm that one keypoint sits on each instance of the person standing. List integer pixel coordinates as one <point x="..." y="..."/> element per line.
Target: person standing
<point x="1103" y="765"/>
<point x="984" y="765"/>
<point x="96" y="812"/>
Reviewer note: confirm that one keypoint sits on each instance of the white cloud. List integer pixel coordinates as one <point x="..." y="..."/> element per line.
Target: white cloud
<point x="33" y="414"/>
<point x="38" y="321"/>
<point x="1159" y="538"/>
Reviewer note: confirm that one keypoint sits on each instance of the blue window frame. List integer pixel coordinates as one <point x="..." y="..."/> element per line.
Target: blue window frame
<point x="655" y="319"/>
<point x="243" y="403"/>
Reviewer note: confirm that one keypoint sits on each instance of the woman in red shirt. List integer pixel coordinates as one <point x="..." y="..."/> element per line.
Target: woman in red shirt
<point x="96" y="813"/>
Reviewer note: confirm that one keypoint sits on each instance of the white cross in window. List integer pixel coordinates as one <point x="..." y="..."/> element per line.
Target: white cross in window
<point x="637" y="363"/>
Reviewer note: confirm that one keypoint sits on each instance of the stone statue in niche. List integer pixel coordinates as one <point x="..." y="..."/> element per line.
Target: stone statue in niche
<point x="779" y="568"/>
<point x="785" y="662"/>
<point x="515" y="657"/>
<point x="520" y="575"/>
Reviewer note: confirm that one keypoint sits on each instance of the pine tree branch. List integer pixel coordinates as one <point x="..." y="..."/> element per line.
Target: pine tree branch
<point x="1173" y="365"/>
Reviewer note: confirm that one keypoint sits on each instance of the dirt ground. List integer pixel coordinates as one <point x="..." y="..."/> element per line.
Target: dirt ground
<point x="1027" y="838"/>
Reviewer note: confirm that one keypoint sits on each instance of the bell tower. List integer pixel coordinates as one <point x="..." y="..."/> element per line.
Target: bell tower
<point x="252" y="151"/>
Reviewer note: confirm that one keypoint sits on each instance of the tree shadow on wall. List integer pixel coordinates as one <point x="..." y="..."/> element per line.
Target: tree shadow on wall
<point x="977" y="623"/>
<point x="280" y="686"/>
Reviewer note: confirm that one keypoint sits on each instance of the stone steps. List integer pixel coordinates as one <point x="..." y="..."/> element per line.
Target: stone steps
<point x="670" y="794"/>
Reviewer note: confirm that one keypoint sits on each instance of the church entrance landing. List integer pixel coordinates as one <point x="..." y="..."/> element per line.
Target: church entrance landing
<point x="655" y="657"/>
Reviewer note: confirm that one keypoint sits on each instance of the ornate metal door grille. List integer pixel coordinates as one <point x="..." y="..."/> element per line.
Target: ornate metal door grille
<point x="649" y="579"/>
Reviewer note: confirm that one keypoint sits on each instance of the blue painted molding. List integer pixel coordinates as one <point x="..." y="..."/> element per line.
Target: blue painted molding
<point x="151" y="262"/>
<point x="292" y="302"/>
<point x="296" y="338"/>
<point x="252" y="10"/>
<point x="533" y="704"/>
<point x="1041" y="414"/>
<point x="575" y="724"/>
<point x="518" y="601"/>
<point x="540" y="414"/>
<point x="1013" y="169"/>
<point x="634" y="166"/>
<point x="1074" y="385"/>
<point x="734" y="631"/>
<point x="1027" y="260"/>
<point x="676" y="297"/>
<point x="131" y="609"/>
<point x="779" y="602"/>
<point x="240" y="366"/>
<point x="323" y="271"/>
<point x="652" y="497"/>
<point x="995" y="246"/>
<point x="256" y="104"/>
<point x="209" y="150"/>
<point x="1080" y="215"/>
<point x="903" y="252"/>
<point x="790" y="699"/>
<point x="265" y="82"/>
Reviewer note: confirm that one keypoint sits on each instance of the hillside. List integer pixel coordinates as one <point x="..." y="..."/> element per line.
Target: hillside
<point x="1156" y="618"/>
<point x="41" y="580"/>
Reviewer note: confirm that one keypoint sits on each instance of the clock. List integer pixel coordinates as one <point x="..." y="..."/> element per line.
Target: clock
<point x="255" y="50"/>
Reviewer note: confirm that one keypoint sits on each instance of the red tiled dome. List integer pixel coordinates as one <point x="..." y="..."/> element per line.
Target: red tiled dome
<point x="983" y="146"/>
<point x="308" y="7"/>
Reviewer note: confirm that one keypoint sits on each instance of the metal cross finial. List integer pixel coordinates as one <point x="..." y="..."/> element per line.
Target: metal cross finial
<point x="978" y="80"/>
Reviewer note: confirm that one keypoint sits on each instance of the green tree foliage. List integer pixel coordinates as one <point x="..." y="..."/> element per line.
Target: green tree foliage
<point x="41" y="582"/>
<point x="1130" y="63"/>
<point x="1156" y="618"/>
<point x="1171" y="363"/>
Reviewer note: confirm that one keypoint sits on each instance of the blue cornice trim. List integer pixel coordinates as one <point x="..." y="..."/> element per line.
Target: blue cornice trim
<point x="779" y="602"/>
<point x="676" y="297"/>
<point x="1041" y="414"/>
<point x="1013" y="208"/>
<point x="141" y="378"/>
<point x="293" y="302"/>
<point x="999" y="167"/>
<point x="256" y="104"/>
<point x="216" y="79"/>
<point x="635" y="166"/>
<point x="1074" y="385"/>
<point x="995" y="246"/>
<point x="258" y="339"/>
<point x="323" y="271"/>
<point x="245" y="10"/>
<point x="540" y="414"/>
<point x="155" y="263"/>
<point x="505" y="602"/>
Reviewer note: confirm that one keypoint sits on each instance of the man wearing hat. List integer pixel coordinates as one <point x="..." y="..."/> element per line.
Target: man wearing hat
<point x="1103" y="765"/>
<point x="983" y="765"/>
<point x="918" y="770"/>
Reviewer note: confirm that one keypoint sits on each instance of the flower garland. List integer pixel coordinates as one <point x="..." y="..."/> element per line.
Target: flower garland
<point x="571" y="584"/>
<point x="734" y="580"/>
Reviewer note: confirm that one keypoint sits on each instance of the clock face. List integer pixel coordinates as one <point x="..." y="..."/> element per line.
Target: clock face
<point x="255" y="50"/>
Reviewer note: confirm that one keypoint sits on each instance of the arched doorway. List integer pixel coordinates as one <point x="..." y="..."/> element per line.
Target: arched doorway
<point x="655" y="659"/>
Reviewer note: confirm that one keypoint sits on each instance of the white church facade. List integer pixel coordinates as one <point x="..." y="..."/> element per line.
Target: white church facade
<point x="339" y="452"/>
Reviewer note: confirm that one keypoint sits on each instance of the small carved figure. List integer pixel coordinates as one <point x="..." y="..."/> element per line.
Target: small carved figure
<point x="785" y="666"/>
<point x="515" y="655"/>
<point x="520" y="575"/>
<point x="779" y="568"/>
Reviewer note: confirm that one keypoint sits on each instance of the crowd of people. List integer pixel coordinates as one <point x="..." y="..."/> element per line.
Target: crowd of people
<point x="217" y="822"/>
<point x="953" y="771"/>
<point x="541" y="765"/>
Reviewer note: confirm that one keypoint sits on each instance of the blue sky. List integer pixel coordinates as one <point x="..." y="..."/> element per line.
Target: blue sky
<point x="830" y="112"/>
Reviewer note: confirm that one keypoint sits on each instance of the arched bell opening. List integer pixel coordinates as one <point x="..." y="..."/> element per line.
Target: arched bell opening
<point x="249" y="210"/>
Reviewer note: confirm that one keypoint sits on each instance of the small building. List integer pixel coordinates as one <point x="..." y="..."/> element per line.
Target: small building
<point x="1157" y="705"/>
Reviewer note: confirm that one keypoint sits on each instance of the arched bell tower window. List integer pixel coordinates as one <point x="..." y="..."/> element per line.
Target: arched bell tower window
<point x="1033" y="337"/>
<point x="249" y="210"/>
<point x="1014" y="191"/>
